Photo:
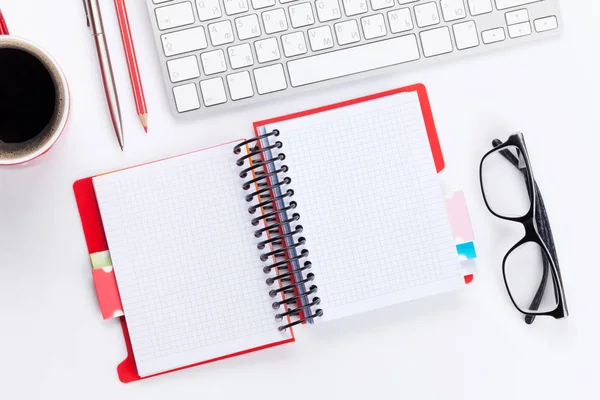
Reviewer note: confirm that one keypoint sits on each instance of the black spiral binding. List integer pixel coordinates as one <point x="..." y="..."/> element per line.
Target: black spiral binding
<point x="273" y="220"/>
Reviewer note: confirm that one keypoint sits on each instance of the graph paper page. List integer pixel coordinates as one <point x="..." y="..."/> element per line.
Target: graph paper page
<point x="185" y="260"/>
<point x="371" y="205"/>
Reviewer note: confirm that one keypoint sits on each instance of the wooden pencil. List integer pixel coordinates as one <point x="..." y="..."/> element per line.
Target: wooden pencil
<point x="132" y="63"/>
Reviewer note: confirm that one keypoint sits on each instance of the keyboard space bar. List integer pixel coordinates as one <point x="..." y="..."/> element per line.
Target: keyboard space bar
<point x="353" y="60"/>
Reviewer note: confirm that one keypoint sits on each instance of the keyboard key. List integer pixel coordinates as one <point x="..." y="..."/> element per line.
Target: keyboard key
<point x="186" y="98"/>
<point x="233" y="7"/>
<point x="493" y="35"/>
<point x="516" y="17"/>
<point x="183" y="69"/>
<point x="240" y="56"/>
<point x="213" y="91"/>
<point x="328" y="10"/>
<point x="453" y="10"/>
<point x="353" y="60"/>
<point x="347" y="32"/>
<point x="320" y="38"/>
<point x="466" y="35"/>
<point x="159" y="1"/>
<point x="503" y="4"/>
<point x="293" y="44"/>
<point x="478" y="7"/>
<point x="381" y="4"/>
<point x="373" y="26"/>
<point x="208" y="9"/>
<point x="546" y="24"/>
<point x="183" y="41"/>
<point x="400" y="20"/>
<point x="220" y="33"/>
<point x="519" y="30"/>
<point x="427" y="14"/>
<point x="258" y="4"/>
<point x="247" y="27"/>
<point x="407" y="1"/>
<point x="354" y="7"/>
<point x="270" y="79"/>
<point x="240" y="86"/>
<point x="174" y="16"/>
<point x="274" y="20"/>
<point x="301" y="15"/>
<point x="267" y="50"/>
<point x="436" y="41"/>
<point x="213" y="62"/>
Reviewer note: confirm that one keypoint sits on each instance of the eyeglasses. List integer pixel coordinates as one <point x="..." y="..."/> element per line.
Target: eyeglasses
<point x="530" y="268"/>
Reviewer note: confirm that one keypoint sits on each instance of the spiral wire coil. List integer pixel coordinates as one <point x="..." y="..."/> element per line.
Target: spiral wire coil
<point x="286" y="247"/>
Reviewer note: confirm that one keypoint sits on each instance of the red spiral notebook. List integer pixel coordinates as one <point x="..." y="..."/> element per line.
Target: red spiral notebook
<point x="331" y="191"/>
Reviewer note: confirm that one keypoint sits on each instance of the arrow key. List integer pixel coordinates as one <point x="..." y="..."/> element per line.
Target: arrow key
<point x="518" y="30"/>
<point x="493" y="35"/>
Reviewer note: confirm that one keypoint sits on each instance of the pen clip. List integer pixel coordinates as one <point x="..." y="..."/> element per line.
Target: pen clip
<point x="87" y="12"/>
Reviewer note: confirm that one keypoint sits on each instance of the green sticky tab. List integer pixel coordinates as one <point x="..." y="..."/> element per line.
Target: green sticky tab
<point x="101" y="260"/>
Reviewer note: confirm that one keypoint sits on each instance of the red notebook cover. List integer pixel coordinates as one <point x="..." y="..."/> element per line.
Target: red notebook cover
<point x="96" y="238"/>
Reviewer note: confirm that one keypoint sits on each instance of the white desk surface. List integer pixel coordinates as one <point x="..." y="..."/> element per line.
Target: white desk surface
<point x="468" y="345"/>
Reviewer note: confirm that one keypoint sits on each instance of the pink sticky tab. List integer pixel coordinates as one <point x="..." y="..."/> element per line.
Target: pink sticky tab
<point x="106" y="285"/>
<point x="108" y="293"/>
<point x="460" y="222"/>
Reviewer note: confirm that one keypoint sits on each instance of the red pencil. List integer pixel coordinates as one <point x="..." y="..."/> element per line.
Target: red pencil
<point x="132" y="64"/>
<point x="3" y="27"/>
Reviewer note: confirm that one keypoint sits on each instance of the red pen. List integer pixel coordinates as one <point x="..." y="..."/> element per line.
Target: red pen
<point x="3" y="27"/>
<point x="132" y="64"/>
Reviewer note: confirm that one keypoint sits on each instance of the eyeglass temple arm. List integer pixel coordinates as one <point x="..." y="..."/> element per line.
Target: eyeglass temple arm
<point x="544" y="230"/>
<point x="548" y="238"/>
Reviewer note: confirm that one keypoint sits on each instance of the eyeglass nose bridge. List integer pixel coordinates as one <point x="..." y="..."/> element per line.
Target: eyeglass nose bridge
<point x="530" y="227"/>
<point x="531" y="232"/>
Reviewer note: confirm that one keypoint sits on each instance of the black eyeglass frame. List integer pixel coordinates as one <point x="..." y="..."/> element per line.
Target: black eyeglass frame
<point x="530" y="224"/>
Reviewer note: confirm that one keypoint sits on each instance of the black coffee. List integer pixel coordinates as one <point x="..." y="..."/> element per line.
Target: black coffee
<point x="27" y="96"/>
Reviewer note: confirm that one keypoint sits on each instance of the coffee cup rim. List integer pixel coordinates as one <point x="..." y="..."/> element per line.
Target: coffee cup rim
<point x="57" y="75"/>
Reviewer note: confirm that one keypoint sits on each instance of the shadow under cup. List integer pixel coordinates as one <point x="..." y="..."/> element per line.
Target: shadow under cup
<point x="34" y="101"/>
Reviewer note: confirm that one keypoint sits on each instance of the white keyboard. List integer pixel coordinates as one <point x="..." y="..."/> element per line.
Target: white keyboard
<point x="221" y="54"/>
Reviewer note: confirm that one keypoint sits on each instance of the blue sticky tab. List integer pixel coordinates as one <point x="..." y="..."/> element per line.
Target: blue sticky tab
<point x="466" y="250"/>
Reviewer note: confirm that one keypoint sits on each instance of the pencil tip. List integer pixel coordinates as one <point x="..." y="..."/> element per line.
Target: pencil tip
<point x="144" y="119"/>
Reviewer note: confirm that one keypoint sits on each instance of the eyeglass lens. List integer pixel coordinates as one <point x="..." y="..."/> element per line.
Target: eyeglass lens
<point x="504" y="186"/>
<point x="527" y="269"/>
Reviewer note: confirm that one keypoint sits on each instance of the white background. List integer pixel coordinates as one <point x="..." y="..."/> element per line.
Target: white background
<point x="467" y="345"/>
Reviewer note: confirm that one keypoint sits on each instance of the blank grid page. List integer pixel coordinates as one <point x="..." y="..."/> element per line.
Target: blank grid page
<point x="182" y="247"/>
<point x="371" y="205"/>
